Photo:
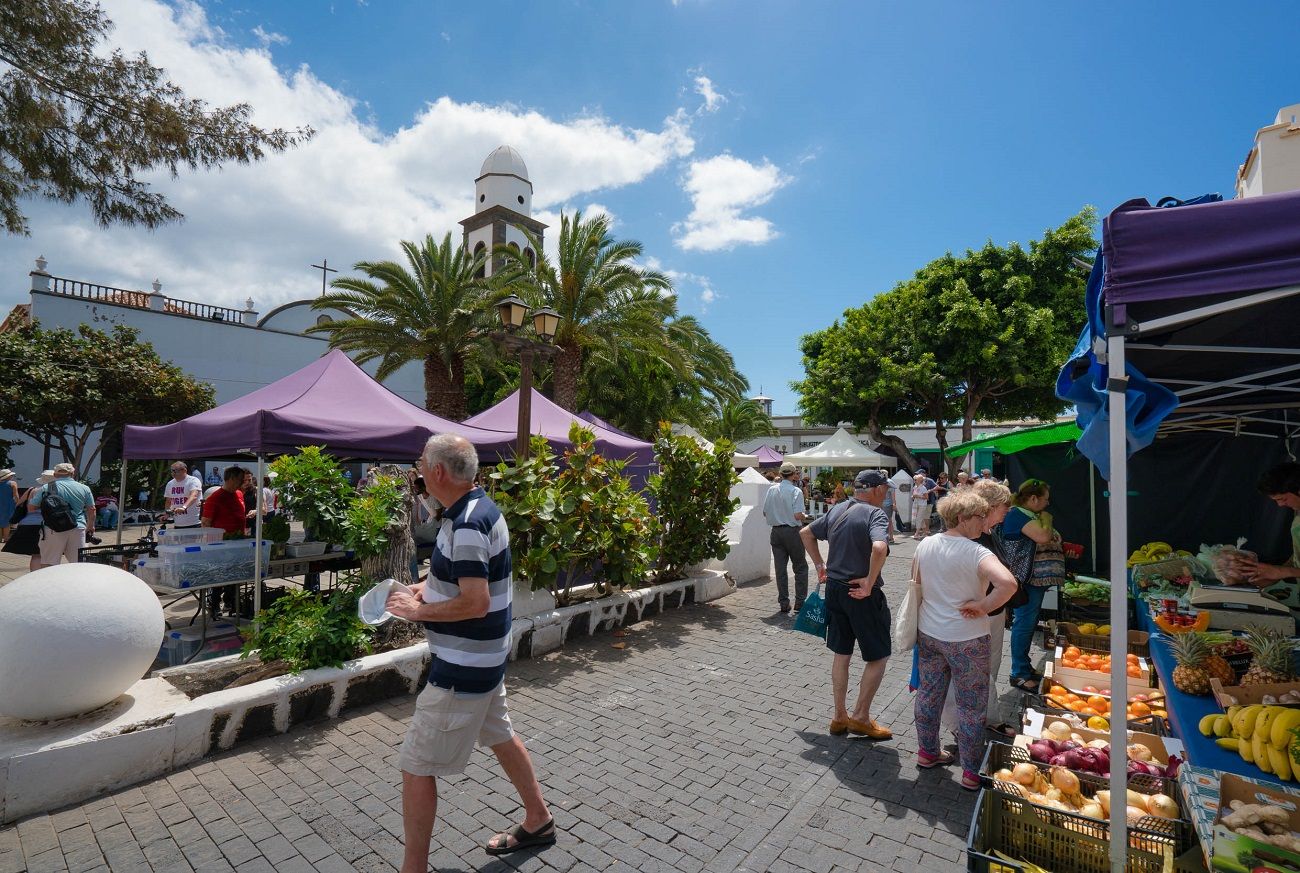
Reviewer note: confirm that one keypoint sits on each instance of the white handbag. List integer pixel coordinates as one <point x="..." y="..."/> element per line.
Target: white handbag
<point x="908" y="616"/>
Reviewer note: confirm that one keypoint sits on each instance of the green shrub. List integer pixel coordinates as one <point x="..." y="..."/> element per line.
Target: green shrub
<point x="584" y="518"/>
<point x="276" y="528"/>
<point x="368" y="520"/>
<point x="693" y="494"/>
<point x="306" y="631"/>
<point x="312" y="487"/>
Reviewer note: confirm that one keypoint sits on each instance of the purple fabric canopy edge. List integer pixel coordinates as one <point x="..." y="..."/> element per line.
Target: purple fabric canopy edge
<point x="768" y="456"/>
<point x="1229" y="247"/>
<point x="587" y="415"/>
<point x="552" y="421"/>
<point x="331" y="402"/>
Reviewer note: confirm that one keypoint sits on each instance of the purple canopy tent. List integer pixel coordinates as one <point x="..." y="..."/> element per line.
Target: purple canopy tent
<point x="768" y="457"/>
<point x="552" y="421"/>
<point x="1194" y="306"/>
<point x="331" y="402"/>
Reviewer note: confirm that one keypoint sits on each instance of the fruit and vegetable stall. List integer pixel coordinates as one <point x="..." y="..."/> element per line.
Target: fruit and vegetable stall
<point x="1212" y="710"/>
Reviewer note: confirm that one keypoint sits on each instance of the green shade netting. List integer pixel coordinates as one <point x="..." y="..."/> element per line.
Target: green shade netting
<point x="1020" y="439"/>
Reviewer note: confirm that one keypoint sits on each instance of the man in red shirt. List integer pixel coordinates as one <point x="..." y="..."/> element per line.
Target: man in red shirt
<point x="225" y="509"/>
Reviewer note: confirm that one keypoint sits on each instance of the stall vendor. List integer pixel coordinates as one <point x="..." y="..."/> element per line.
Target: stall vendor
<point x="1281" y="484"/>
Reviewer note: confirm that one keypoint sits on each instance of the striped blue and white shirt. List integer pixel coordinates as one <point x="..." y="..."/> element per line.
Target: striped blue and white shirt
<point x="470" y="656"/>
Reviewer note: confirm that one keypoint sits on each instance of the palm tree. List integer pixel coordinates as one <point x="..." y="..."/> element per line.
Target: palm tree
<point x="739" y="420"/>
<point x="435" y="309"/>
<point x="609" y="306"/>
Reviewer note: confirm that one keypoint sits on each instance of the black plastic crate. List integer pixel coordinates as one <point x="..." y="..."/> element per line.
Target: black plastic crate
<point x="1061" y="842"/>
<point x="1000" y="755"/>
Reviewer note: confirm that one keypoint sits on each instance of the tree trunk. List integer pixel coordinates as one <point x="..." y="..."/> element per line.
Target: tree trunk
<point x="439" y="390"/>
<point x="395" y="562"/>
<point x="567" y="370"/>
<point x="456" y="408"/>
<point x="893" y="443"/>
<point x="941" y="437"/>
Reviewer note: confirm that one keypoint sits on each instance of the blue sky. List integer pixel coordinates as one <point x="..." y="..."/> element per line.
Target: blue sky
<point x="843" y="145"/>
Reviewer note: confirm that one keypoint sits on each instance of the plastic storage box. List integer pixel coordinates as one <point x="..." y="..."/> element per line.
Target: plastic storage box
<point x="201" y="565"/>
<point x="184" y="536"/>
<point x="180" y="645"/>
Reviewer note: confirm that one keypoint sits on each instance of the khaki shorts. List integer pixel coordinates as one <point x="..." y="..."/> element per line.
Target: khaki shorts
<point x="446" y="725"/>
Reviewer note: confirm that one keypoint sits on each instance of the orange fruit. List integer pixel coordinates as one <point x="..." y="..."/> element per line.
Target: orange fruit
<point x="1096" y="701"/>
<point x="1072" y="651"/>
<point x="1073" y="698"/>
<point x="1139" y="709"/>
<point x="1134" y="671"/>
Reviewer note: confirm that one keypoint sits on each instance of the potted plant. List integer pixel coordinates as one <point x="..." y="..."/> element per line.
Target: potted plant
<point x="276" y="529"/>
<point x="313" y="488"/>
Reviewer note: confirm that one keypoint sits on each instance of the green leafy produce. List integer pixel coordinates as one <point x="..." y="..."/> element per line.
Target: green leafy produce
<point x="1086" y="591"/>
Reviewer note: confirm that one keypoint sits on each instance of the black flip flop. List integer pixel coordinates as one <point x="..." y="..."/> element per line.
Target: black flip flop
<point x="524" y="839"/>
<point x="1027" y="685"/>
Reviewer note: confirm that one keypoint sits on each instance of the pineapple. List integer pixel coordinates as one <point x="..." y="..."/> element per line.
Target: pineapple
<point x="1191" y="651"/>
<point x="1271" y="650"/>
<point x="1220" y="669"/>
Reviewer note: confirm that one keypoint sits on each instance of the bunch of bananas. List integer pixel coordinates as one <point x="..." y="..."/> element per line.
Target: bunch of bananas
<point x="1266" y="736"/>
<point x="1152" y="552"/>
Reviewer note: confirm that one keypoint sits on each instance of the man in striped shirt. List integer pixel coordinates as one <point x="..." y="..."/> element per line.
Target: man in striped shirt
<point x="465" y="608"/>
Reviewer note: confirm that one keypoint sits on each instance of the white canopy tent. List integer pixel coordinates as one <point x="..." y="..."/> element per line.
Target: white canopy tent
<point x="841" y="449"/>
<point x="737" y="460"/>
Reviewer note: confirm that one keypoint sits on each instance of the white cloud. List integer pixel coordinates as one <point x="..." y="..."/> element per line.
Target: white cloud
<point x="686" y="285"/>
<point x="722" y="188"/>
<point x="446" y="37"/>
<point x="269" y="37"/>
<point x="712" y="99"/>
<point x="350" y="194"/>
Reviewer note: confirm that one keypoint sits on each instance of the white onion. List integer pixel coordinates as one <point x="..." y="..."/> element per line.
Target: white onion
<point x="1165" y="807"/>
<point x="1025" y="773"/>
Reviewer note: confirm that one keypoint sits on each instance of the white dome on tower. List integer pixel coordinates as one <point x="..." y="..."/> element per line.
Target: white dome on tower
<point x="505" y="161"/>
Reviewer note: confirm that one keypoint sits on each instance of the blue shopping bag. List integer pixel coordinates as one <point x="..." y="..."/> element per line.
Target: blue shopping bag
<point x="812" y="617"/>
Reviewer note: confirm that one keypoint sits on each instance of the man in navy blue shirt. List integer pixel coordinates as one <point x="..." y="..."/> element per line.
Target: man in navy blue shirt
<point x="465" y="608"/>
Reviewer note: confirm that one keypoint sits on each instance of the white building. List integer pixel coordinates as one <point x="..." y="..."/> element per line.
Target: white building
<point x="1273" y="164"/>
<point x="236" y="350"/>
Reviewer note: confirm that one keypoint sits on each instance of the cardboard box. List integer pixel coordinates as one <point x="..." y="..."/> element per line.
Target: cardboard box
<point x="1236" y="852"/>
<point x="1159" y="751"/>
<point x="1034" y="721"/>
<point x="1072" y="677"/>
<point x="1075" y="680"/>
<point x="1245" y="695"/>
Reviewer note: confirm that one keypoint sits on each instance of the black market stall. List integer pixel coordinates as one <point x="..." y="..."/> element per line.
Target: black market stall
<point x="1194" y="325"/>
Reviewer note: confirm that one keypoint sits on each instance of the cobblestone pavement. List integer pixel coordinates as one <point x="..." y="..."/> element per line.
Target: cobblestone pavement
<point x="700" y="746"/>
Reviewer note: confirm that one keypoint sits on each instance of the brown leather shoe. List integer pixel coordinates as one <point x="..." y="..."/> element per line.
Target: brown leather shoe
<point x="870" y="729"/>
<point x="838" y="727"/>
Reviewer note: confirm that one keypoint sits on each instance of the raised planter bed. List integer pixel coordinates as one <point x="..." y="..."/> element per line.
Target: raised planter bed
<point x="154" y="728"/>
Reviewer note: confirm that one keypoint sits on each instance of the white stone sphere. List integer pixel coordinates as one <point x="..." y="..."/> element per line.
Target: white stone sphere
<point x="73" y="638"/>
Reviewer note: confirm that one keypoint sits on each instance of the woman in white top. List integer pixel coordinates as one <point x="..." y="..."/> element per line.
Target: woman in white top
<point x="920" y="507"/>
<point x="955" y="574"/>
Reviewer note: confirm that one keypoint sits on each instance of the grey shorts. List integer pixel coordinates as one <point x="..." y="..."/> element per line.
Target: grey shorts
<point x="445" y="726"/>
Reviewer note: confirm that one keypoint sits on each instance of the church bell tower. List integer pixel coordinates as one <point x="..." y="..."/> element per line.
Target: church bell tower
<point x="503" y="197"/>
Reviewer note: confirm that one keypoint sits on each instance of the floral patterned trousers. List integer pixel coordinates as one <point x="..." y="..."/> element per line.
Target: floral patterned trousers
<point x="966" y="666"/>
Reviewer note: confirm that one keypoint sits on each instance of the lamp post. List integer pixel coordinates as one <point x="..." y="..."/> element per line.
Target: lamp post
<point x="513" y="313"/>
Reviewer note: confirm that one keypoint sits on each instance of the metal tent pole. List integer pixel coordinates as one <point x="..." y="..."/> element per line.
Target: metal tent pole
<point x="257" y="542"/>
<point x="1117" y="384"/>
<point x="121" y="503"/>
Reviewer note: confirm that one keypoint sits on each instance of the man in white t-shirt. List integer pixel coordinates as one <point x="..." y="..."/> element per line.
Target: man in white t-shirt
<point x="184" y="496"/>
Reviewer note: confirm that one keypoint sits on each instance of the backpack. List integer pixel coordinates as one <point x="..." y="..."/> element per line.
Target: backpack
<point x="56" y="512"/>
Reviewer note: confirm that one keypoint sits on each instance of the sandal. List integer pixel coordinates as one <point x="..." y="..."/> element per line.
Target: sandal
<point x="970" y="781"/>
<point x="523" y="839"/>
<point x="1002" y="729"/>
<point x="1026" y="684"/>
<point x="926" y="761"/>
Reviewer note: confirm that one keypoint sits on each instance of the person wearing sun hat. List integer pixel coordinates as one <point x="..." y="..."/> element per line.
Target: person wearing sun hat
<point x="8" y="501"/>
<point x="59" y="544"/>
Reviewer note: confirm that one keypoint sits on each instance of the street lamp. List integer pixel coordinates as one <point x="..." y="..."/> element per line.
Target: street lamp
<point x="513" y="312"/>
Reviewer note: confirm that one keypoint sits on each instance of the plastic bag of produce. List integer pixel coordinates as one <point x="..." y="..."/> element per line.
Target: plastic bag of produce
<point x="1226" y="562"/>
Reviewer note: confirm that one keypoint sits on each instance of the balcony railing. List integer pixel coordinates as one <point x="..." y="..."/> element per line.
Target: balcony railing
<point x="141" y="300"/>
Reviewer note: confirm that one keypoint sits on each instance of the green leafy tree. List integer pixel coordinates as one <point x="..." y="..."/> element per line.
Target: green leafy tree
<point x="435" y="309"/>
<point x="313" y="488"/>
<point x="693" y="493"/>
<point x="983" y="334"/>
<point x="79" y="386"/>
<point x="82" y="121"/>
<point x="738" y="421"/>
<point x="610" y="308"/>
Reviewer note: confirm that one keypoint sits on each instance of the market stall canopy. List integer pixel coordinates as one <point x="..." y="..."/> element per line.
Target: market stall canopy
<point x="1205" y="294"/>
<point x="553" y="421"/>
<point x="749" y="474"/>
<point x="1012" y="441"/>
<point x="737" y="459"/>
<point x="841" y="449"/>
<point x="768" y="456"/>
<point x="331" y="403"/>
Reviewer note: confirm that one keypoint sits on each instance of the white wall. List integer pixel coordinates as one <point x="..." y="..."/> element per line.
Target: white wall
<point x="234" y="359"/>
<point x="1275" y="158"/>
<point x="748" y="535"/>
<point x="296" y="317"/>
<point x="504" y="191"/>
